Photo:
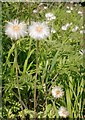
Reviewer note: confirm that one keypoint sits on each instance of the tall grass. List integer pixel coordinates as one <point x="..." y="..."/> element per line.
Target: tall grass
<point x="55" y="61"/>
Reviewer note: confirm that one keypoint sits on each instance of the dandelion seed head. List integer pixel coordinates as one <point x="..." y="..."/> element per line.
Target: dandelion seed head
<point x="38" y="30"/>
<point x="15" y="30"/>
<point x="63" y="112"/>
<point x="57" y="92"/>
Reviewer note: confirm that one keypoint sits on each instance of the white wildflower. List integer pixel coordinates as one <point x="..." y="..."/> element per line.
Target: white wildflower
<point x="82" y="31"/>
<point x="68" y="24"/>
<point x="80" y="13"/>
<point x="64" y="27"/>
<point x="57" y="92"/>
<point x="45" y="7"/>
<point x="82" y="51"/>
<point x="35" y="11"/>
<point x="71" y="8"/>
<point x="68" y="11"/>
<point x="50" y="16"/>
<point x="75" y="29"/>
<point x="39" y="30"/>
<point x="53" y="30"/>
<point x="15" y="30"/>
<point x="63" y="112"/>
<point x="67" y="7"/>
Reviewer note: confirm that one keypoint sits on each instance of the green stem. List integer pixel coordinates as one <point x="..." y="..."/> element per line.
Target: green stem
<point x="35" y="99"/>
<point x="16" y="65"/>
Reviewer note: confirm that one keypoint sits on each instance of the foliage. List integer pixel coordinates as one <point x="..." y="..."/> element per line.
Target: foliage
<point x="60" y="63"/>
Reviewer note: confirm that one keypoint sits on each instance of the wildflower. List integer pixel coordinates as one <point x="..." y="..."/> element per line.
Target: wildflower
<point x="68" y="24"/>
<point x="64" y="27"/>
<point x="50" y="16"/>
<point x="35" y="11"/>
<point x="45" y="7"/>
<point x="67" y="7"/>
<point x="82" y="51"/>
<point x="63" y="112"/>
<point x="15" y="30"/>
<point x="68" y="11"/>
<point x="71" y="8"/>
<point x="57" y="92"/>
<point x="53" y="30"/>
<point x="39" y="30"/>
<point x="82" y="31"/>
<point x="75" y="29"/>
<point x="80" y="13"/>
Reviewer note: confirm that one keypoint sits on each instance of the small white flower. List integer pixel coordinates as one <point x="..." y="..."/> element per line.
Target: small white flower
<point x="50" y="16"/>
<point x="68" y="11"/>
<point x="45" y="7"/>
<point x="63" y="112"/>
<point x="82" y="51"/>
<point x="53" y="30"/>
<point x="82" y="31"/>
<point x="64" y="27"/>
<point x="67" y="7"/>
<point x="35" y="11"/>
<point x="80" y="13"/>
<point x="15" y="30"/>
<point x="75" y="29"/>
<point x="39" y="30"/>
<point x="68" y="24"/>
<point x="71" y="8"/>
<point x="57" y="92"/>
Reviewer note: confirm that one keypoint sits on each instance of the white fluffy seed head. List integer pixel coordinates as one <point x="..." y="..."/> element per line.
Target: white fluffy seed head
<point x="39" y="30"/>
<point x="57" y="92"/>
<point x="63" y="112"/>
<point x="15" y="30"/>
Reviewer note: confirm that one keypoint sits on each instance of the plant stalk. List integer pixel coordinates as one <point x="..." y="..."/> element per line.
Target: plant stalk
<point x="18" y="87"/>
<point x="35" y="82"/>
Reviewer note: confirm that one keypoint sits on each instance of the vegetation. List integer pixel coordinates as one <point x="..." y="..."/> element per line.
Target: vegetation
<point x="59" y="62"/>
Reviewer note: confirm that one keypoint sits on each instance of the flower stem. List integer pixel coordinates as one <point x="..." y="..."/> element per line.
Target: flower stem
<point x="35" y="99"/>
<point x="16" y="66"/>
